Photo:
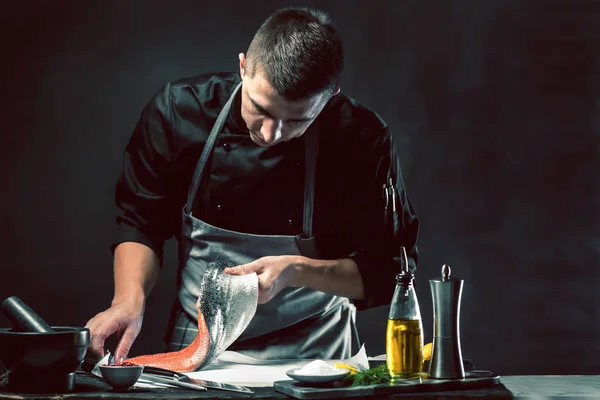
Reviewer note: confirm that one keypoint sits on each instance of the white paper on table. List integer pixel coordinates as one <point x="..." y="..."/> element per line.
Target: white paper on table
<point x="239" y="369"/>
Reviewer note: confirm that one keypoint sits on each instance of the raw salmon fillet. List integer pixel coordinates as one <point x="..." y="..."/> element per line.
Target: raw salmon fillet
<point x="226" y="305"/>
<point x="185" y="360"/>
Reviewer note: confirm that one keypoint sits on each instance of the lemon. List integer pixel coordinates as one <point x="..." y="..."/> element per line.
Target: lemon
<point x="427" y="351"/>
<point x="352" y="369"/>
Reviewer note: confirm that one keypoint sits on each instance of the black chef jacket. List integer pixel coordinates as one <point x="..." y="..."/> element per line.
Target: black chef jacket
<point x="260" y="190"/>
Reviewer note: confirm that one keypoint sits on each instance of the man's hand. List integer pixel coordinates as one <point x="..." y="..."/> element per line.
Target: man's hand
<point x="125" y="319"/>
<point x="275" y="273"/>
<point x="136" y="268"/>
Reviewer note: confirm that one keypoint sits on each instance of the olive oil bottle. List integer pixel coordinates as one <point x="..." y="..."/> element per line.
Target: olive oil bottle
<point x="404" y="335"/>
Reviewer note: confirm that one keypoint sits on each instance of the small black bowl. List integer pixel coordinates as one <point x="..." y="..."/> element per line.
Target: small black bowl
<point x="43" y="362"/>
<point x="121" y="377"/>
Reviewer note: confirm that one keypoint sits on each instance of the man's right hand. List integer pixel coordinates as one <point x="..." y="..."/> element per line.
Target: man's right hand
<point x="136" y="268"/>
<point x="123" y="318"/>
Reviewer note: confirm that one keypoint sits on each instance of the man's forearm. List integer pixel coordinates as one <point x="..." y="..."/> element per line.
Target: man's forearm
<point x="136" y="268"/>
<point x="338" y="277"/>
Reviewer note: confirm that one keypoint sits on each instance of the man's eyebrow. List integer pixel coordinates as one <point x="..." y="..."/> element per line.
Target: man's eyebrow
<point x="300" y="119"/>
<point x="265" y="112"/>
<point x="258" y="107"/>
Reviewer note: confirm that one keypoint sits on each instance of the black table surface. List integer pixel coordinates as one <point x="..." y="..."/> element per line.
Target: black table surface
<point x="88" y="386"/>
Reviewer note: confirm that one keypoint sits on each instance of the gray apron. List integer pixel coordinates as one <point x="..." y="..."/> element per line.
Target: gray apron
<point x="298" y="322"/>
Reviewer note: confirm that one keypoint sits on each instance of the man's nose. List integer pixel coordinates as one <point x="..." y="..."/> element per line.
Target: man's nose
<point x="271" y="130"/>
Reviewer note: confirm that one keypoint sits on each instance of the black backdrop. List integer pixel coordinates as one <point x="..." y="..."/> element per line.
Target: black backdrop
<point x="494" y="105"/>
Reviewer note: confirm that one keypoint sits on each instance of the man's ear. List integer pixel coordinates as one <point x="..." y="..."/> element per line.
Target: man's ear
<point x="242" y="58"/>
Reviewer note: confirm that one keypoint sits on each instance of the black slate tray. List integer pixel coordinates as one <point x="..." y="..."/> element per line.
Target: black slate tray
<point x="475" y="379"/>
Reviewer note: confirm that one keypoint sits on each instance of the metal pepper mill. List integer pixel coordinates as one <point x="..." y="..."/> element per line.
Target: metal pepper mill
<point x="446" y="357"/>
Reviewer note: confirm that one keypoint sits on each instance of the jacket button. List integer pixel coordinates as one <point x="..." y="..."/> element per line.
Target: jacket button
<point x="219" y="207"/>
<point x="227" y="147"/>
<point x="290" y="222"/>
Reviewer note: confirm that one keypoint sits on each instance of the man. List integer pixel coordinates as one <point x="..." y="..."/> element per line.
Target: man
<point x="279" y="172"/>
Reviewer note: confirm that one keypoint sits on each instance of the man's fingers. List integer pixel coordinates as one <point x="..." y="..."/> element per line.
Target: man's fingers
<point x="242" y="269"/>
<point x="99" y="331"/>
<point x="96" y="347"/>
<point x="125" y="345"/>
<point x="239" y="270"/>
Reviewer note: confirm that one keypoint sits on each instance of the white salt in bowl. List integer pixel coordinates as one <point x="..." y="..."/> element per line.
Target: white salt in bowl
<point x="318" y="372"/>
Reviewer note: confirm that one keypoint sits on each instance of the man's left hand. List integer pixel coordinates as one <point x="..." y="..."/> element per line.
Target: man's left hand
<point x="275" y="273"/>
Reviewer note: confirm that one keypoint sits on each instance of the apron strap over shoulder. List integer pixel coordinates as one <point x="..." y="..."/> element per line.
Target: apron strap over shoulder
<point x="311" y="150"/>
<point x="210" y="142"/>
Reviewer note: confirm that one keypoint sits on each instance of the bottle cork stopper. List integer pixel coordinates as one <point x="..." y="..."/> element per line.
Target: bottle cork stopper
<point x="404" y="260"/>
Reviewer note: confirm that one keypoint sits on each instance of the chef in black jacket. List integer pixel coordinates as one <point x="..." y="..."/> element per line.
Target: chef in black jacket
<point x="281" y="173"/>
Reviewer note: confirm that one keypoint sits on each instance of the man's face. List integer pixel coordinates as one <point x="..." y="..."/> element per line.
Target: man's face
<point x="270" y="118"/>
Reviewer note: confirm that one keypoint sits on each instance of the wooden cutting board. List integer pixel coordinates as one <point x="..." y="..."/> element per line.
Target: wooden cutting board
<point x="473" y="380"/>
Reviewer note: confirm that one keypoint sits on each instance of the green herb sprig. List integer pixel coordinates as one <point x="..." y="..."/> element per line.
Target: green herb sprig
<point x="371" y="376"/>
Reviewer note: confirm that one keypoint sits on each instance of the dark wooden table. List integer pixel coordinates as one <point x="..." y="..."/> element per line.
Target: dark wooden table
<point x="90" y="387"/>
<point x="533" y="387"/>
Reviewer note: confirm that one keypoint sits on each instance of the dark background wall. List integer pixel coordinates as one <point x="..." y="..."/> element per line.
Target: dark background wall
<point x="495" y="107"/>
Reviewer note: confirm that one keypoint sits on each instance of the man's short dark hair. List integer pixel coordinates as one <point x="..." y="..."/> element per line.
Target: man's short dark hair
<point x="299" y="51"/>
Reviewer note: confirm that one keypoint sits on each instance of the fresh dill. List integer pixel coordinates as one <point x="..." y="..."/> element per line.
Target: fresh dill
<point x="371" y="376"/>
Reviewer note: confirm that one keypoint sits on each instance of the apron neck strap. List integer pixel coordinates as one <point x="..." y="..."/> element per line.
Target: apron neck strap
<point x="311" y="149"/>
<point x="206" y="152"/>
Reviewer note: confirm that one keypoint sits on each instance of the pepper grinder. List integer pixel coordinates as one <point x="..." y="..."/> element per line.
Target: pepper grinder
<point x="446" y="357"/>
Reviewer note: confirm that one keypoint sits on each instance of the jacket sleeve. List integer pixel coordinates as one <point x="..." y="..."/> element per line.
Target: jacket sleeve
<point x="147" y="209"/>
<point x="379" y="234"/>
